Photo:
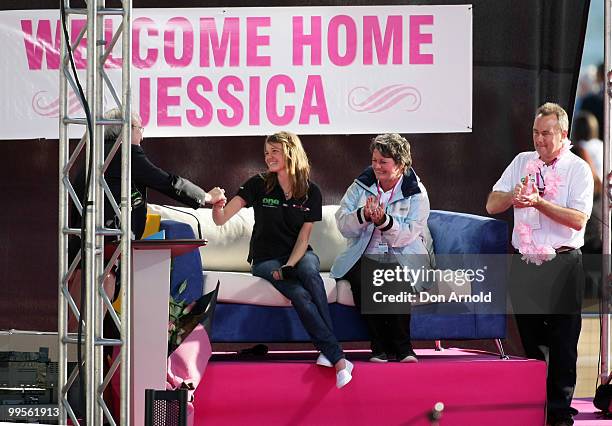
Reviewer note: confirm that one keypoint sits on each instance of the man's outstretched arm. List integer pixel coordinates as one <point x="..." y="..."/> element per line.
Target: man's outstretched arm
<point x="499" y="201"/>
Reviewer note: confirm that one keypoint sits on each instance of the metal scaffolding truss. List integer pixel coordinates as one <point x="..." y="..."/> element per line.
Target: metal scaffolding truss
<point x="607" y="189"/>
<point x="91" y="210"/>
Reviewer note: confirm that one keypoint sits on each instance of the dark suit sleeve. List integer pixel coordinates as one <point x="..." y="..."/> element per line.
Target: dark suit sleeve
<point x="144" y="172"/>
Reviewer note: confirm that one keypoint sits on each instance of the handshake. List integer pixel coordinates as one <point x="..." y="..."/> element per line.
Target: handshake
<point x="216" y="197"/>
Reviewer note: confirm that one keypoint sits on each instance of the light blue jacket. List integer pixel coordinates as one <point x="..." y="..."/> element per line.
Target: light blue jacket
<point x="404" y="229"/>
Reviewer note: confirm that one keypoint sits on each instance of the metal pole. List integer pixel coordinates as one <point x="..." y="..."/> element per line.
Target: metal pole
<point x="605" y="284"/>
<point x="98" y="285"/>
<point x="126" y="206"/>
<point x="92" y="207"/>
<point x="63" y="148"/>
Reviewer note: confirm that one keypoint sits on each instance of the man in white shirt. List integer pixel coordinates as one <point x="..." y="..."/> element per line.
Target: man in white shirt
<point x="551" y="192"/>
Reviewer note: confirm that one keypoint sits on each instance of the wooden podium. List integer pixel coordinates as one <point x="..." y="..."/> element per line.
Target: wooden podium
<point x="149" y="319"/>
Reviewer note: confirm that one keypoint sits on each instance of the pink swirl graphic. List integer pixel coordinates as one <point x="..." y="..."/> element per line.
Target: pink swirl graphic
<point x="50" y="109"/>
<point x="384" y="98"/>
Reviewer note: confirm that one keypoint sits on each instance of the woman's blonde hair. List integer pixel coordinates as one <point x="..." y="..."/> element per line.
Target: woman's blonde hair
<point x="296" y="163"/>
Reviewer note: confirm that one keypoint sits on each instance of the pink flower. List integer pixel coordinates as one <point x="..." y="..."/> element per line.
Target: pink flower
<point x="553" y="181"/>
<point x="532" y="253"/>
<point x="531" y="258"/>
<point x="543" y="254"/>
<point x="566" y="146"/>
<point x="524" y="232"/>
<point x="547" y="252"/>
<point x="533" y="167"/>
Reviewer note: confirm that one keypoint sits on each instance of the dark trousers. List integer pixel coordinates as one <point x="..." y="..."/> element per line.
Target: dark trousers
<point x="554" y="339"/>
<point x="547" y="300"/>
<point x="307" y="294"/>
<point x="389" y="333"/>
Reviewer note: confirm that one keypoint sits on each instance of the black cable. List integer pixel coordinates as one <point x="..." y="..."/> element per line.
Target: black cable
<point x="190" y="214"/>
<point x="86" y="202"/>
<point x="599" y="370"/>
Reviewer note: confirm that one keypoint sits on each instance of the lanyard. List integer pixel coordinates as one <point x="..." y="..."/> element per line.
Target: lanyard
<point x="380" y="193"/>
<point x="540" y="183"/>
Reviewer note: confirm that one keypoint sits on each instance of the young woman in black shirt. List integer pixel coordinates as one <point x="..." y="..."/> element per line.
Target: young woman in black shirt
<point x="286" y="203"/>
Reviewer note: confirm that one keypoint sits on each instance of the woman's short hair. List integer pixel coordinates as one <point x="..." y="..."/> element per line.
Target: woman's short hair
<point x="392" y="145"/>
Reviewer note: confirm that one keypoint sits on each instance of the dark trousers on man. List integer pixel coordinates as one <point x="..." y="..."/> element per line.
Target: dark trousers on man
<point x="547" y="300"/>
<point x="389" y="333"/>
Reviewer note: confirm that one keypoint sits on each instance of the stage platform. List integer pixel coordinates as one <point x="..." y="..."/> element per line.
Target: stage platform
<point x="588" y="415"/>
<point x="477" y="388"/>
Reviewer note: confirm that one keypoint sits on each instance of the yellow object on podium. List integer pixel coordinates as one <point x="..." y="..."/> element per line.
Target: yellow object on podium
<point x="152" y="225"/>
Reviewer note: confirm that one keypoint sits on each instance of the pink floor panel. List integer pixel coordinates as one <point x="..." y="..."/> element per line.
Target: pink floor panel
<point x="588" y="415"/>
<point x="476" y="389"/>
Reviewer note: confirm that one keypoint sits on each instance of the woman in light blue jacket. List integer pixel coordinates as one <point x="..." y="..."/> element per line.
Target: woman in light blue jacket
<point x="383" y="214"/>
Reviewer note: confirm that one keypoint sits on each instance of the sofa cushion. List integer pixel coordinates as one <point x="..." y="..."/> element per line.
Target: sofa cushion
<point x="463" y="233"/>
<point x="242" y="287"/>
<point x="326" y="240"/>
<point x="228" y="245"/>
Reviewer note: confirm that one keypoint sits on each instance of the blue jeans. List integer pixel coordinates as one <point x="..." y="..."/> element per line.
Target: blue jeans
<point x="307" y="294"/>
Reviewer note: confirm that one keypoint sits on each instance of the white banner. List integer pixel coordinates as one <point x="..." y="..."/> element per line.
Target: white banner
<point x="254" y="71"/>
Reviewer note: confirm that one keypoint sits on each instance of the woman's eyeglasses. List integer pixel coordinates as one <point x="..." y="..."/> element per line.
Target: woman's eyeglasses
<point x="138" y="127"/>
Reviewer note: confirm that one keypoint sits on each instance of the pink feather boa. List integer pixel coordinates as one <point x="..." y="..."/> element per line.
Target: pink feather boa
<point x="531" y="252"/>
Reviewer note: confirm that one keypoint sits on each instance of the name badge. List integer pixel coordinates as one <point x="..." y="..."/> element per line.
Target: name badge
<point x="382" y="247"/>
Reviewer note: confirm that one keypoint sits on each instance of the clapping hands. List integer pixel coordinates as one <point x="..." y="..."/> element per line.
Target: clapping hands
<point x="525" y="195"/>
<point x="373" y="210"/>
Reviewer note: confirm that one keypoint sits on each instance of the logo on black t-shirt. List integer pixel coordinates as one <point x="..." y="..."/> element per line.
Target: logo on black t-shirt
<point x="270" y="202"/>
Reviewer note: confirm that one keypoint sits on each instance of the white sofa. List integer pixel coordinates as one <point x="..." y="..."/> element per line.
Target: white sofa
<point x="251" y="309"/>
<point x="224" y="258"/>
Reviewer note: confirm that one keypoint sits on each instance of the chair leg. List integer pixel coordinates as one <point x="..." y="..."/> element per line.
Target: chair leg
<point x="439" y="347"/>
<point x="500" y="348"/>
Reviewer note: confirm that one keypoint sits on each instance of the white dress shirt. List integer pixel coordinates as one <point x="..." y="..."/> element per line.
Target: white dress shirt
<point x="575" y="191"/>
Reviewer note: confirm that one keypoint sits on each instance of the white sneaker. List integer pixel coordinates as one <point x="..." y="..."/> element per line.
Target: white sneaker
<point x="379" y="358"/>
<point x="323" y="361"/>
<point x="409" y="358"/>
<point x="344" y="376"/>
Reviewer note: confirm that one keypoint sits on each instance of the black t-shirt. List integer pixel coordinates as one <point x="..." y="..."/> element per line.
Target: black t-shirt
<point x="277" y="221"/>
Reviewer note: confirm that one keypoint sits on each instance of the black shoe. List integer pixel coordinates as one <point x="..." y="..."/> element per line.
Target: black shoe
<point x="407" y="357"/>
<point x="379" y="357"/>
<point x="565" y="420"/>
